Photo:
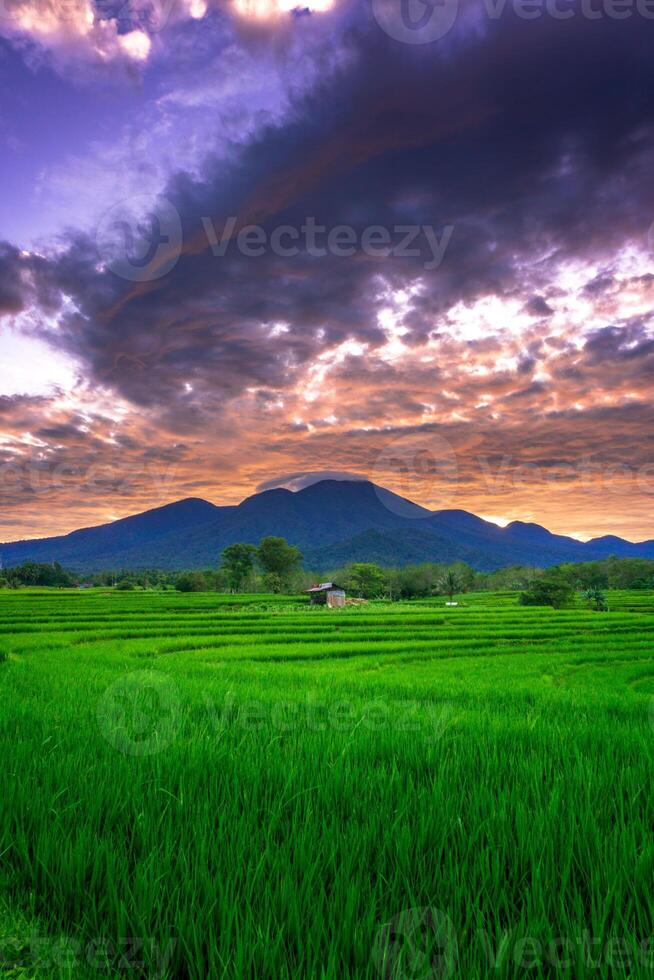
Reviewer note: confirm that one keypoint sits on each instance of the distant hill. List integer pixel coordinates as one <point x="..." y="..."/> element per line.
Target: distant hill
<point x="332" y="522"/>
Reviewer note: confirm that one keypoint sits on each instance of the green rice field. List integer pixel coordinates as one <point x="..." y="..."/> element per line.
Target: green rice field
<point x="243" y="786"/>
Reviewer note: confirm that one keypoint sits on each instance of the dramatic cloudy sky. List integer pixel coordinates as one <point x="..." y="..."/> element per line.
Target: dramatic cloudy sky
<point x="151" y="349"/>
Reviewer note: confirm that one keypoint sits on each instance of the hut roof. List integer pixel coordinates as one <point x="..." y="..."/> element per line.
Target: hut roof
<point x="325" y="587"/>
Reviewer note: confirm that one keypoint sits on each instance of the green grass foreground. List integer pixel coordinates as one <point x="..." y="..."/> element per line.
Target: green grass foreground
<point x="205" y="786"/>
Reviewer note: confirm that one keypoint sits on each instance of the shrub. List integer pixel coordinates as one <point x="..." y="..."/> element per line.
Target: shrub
<point x="555" y="592"/>
<point x="191" y="582"/>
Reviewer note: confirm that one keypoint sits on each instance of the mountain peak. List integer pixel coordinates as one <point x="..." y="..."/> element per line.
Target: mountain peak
<point x="365" y="492"/>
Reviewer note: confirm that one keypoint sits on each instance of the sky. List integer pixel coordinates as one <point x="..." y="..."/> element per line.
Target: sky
<point x="245" y="244"/>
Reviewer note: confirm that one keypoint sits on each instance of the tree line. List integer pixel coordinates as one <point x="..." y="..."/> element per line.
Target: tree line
<point x="33" y="573"/>
<point x="274" y="565"/>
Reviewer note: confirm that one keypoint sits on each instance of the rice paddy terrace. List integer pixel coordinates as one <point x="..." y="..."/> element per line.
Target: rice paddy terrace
<point x="204" y="785"/>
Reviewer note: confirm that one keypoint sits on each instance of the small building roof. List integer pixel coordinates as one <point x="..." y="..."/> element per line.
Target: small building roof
<point x="325" y="587"/>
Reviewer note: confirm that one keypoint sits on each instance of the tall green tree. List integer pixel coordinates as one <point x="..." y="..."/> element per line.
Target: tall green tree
<point x="279" y="560"/>
<point x="237" y="561"/>
<point x="450" y="584"/>
<point x="464" y="574"/>
<point x="366" y="580"/>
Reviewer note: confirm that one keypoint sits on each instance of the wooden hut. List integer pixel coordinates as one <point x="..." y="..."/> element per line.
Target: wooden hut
<point x="327" y="594"/>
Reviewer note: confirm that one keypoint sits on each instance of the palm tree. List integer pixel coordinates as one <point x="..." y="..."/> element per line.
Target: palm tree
<point x="595" y="595"/>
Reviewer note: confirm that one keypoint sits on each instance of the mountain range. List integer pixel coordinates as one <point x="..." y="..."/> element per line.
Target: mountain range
<point x="331" y="521"/>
